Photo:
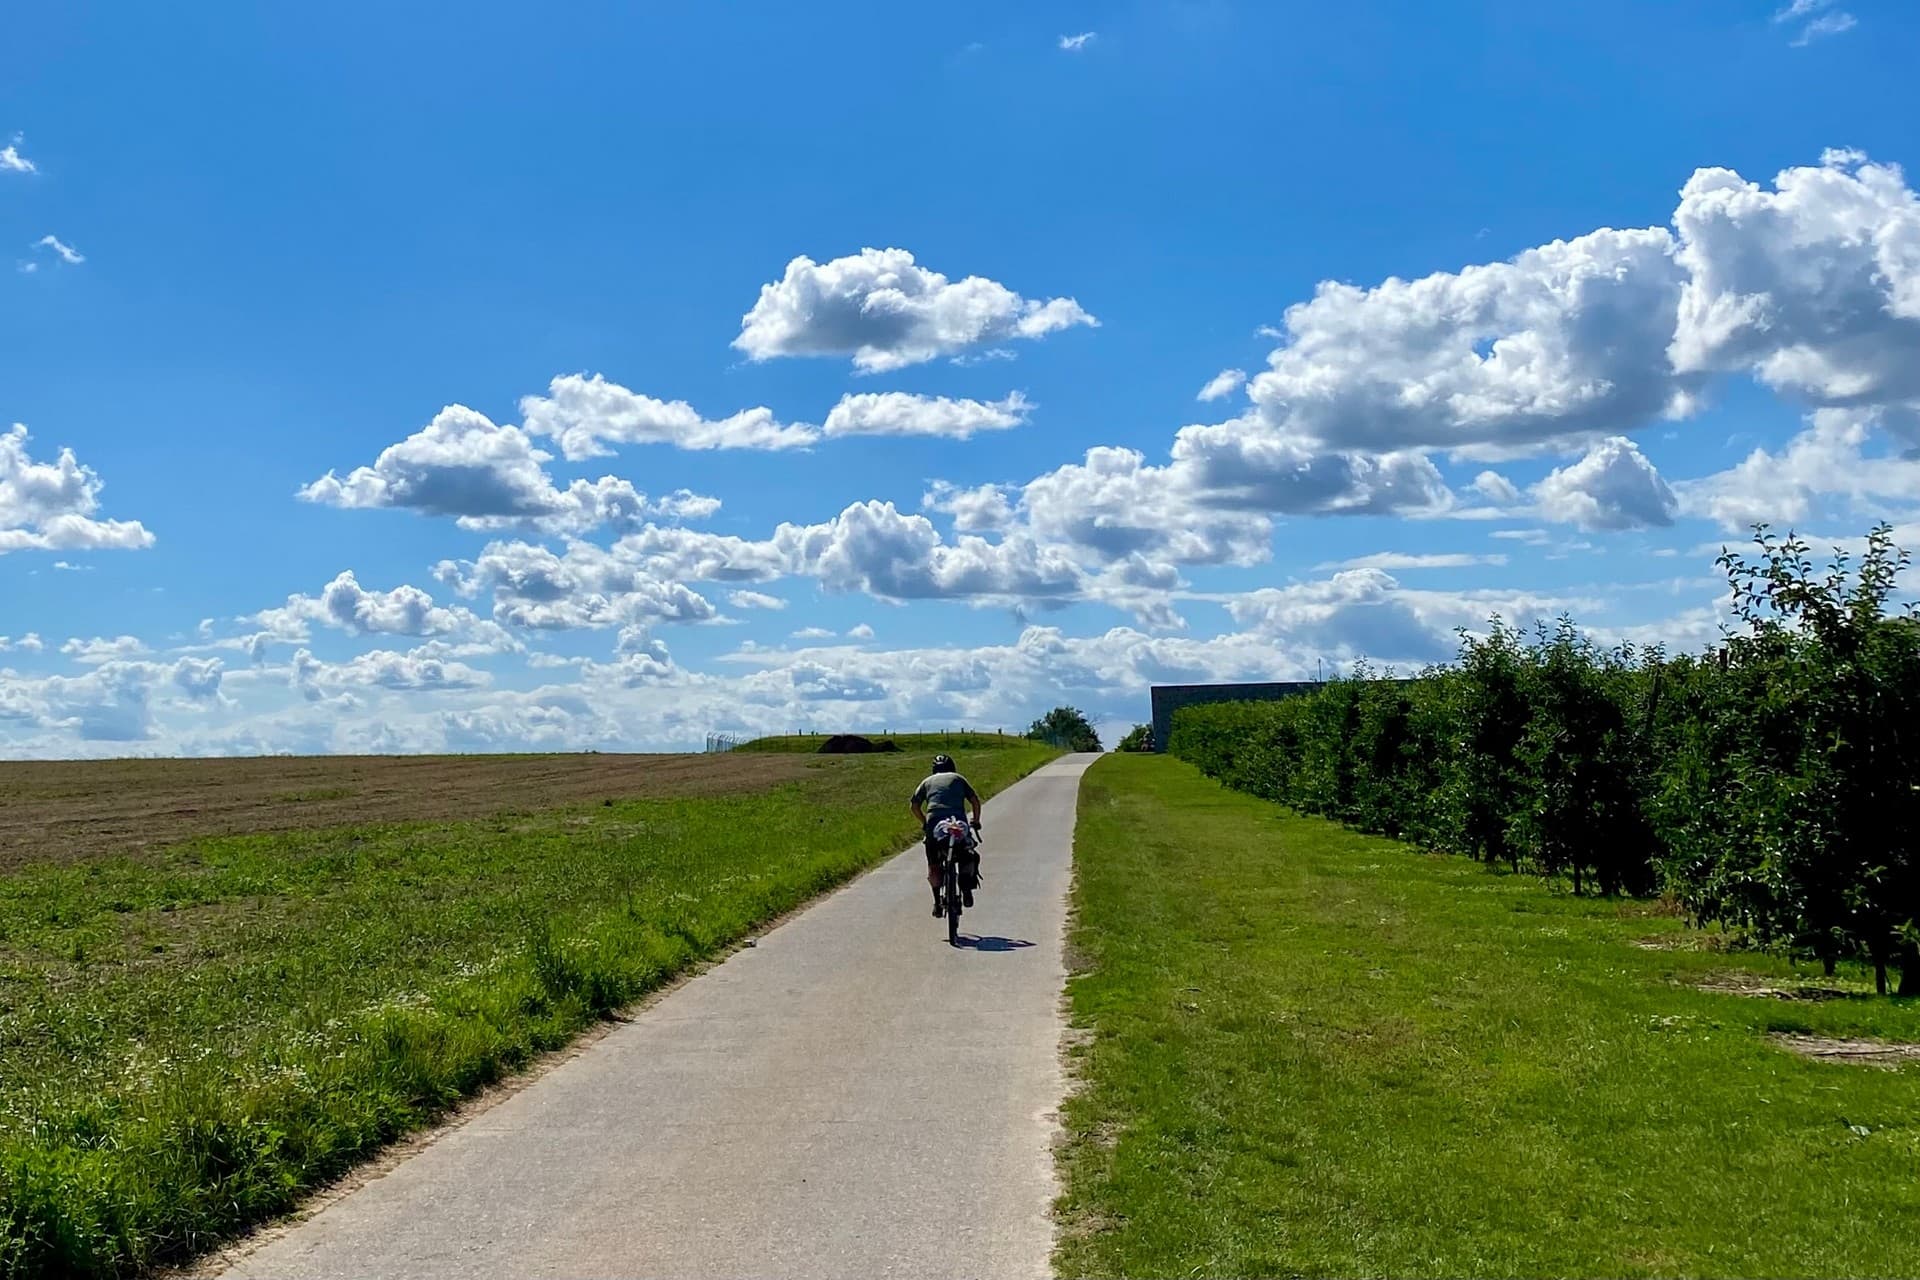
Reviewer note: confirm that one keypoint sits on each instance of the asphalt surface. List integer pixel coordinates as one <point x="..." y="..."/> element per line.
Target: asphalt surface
<point x="851" y="1096"/>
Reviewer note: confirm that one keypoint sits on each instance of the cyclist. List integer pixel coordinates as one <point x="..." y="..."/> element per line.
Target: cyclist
<point x="945" y="794"/>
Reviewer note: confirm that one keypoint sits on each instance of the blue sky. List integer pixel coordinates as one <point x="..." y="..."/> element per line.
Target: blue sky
<point x="477" y="378"/>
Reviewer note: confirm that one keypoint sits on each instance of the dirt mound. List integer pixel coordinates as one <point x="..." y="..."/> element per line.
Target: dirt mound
<point x="852" y="744"/>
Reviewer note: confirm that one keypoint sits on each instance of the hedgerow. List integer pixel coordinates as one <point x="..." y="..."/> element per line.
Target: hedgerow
<point x="1770" y="785"/>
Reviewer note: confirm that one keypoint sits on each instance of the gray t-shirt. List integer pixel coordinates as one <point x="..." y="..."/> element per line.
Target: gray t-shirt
<point x="944" y="795"/>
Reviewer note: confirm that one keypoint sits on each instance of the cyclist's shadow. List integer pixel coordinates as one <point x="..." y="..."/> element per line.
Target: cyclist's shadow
<point x="970" y="942"/>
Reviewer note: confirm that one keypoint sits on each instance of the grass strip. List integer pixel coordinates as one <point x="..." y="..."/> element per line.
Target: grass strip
<point x="191" y="1042"/>
<point x="1307" y="1051"/>
<point x="917" y="744"/>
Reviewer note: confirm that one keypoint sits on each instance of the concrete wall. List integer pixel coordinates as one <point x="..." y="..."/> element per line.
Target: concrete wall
<point x="1169" y="697"/>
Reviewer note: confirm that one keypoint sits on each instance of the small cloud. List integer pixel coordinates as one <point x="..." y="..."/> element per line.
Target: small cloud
<point x="1800" y="9"/>
<point x="11" y="161"/>
<point x="813" y="633"/>
<point x="95" y="650"/>
<point x="73" y="568"/>
<point x="1391" y="561"/>
<point x="28" y="268"/>
<point x="1495" y="487"/>
<point x="861" y="632"/>
<point x="1223" y="384"/>
<point x="991" y="354"/>
<point x="1824" y="20"/>
<point x="66" y="252"/>
<point x="1830" y="24"/>
<point x="1074" y="44"/>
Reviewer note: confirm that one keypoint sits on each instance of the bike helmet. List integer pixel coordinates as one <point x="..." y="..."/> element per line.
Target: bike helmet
<point x="943" y="763"/>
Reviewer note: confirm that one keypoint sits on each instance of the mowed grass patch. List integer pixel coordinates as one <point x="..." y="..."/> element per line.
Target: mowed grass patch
<point x="192" y="1040"/>
<point x="1309" y="1051"/>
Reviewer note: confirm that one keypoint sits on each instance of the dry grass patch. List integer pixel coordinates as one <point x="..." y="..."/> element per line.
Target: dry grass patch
<point x="1737" y="983"/>
<point x="1863" y="1053"/>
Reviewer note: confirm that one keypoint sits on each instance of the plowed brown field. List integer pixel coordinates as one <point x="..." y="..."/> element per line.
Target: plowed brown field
<point x="74" y="810"/>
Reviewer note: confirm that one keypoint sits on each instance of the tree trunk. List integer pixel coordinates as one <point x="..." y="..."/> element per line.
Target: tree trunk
<point x="1880" y="975"/>
<point x="1909" y="962"/>
<point x="1826" y="965"/>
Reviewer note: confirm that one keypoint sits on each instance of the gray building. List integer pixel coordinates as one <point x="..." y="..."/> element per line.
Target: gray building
<point x="1167" y="698"/>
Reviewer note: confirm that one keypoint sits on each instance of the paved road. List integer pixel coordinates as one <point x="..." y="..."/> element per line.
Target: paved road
<point x="850" y="1097"/>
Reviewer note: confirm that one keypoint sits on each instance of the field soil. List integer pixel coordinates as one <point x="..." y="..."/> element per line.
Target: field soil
<point x="76" y="810"/>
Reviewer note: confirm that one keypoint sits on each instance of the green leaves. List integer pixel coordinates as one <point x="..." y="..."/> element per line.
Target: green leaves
<point x="1767" y="784"/>
<point x="1067" y="729"/>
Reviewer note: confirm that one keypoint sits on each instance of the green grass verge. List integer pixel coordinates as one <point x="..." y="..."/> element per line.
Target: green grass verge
<point x="909" y="743"/>
<point x="1309" y="1051"/>
<point x="191" y="1042"/>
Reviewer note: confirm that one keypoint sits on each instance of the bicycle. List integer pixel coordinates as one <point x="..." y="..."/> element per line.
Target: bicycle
<point x="956" y="841"/>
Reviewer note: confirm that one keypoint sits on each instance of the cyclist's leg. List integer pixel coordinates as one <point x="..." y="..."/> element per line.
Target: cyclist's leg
<point x="933" y="873"/>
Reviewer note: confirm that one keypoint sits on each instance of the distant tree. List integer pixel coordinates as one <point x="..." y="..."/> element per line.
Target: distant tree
<point x="1139" y="738"/>
<point x="1066" y="728"/>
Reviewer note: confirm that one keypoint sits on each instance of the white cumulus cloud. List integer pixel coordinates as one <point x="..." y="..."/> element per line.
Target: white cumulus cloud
<point x="344" y="605"/>
<point x="11" y="161"/>
<point x="585" y="415"/>
<point x="1612" y="487"/>
<point x="886" y="312"/>
<point x="1813" y="286"/>
<point x="1834" y="459"/>
<point x="50" y="506"/>
<point x="586" y="586"/>
<point x="898" y="413"/>
<point x="1565" y="340"/>
<point x="388" y="669"/>
<point x="92" y="650"/>
<point x="984" y="509"/>
<point x="491" y="477"/>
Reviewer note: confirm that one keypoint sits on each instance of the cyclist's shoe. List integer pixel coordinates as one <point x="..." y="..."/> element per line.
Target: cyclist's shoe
<point x="966" y="897"/>
<point x="938" y="910"/>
